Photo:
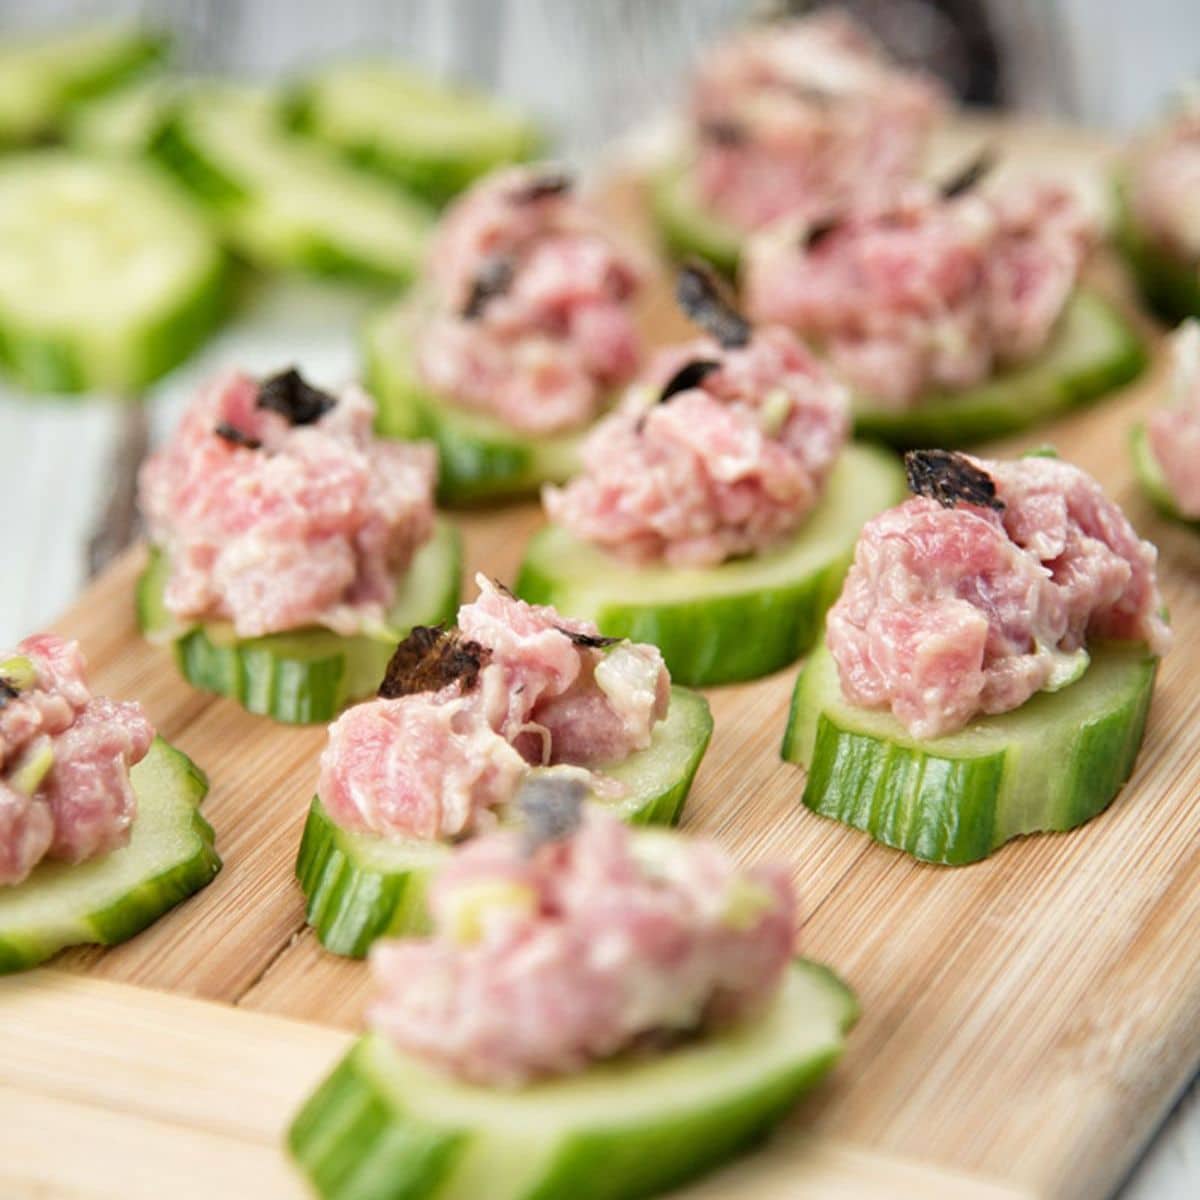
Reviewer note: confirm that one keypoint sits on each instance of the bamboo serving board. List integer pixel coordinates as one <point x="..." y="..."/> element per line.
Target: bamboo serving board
<point x="1026" y="1021"/>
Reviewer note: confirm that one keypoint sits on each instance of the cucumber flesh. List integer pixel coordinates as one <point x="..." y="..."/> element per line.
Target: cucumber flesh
<point x="1051" y="764"/>
<point x="480" y="458"/>
<point x="740" y="620"/>
<point x="428" y="136"/>
<point x="1169" y="283"/>
<point x="169" y="856"/>
<point x="1150" y="475"/>
<point x="1092" y="351"/>
<point x="360" y="887"/>
<point x="283" y="201"/>
<point x="109" y="276"/>
<point x="686" y="228"/>
<point x="308" y="675"/>
<point x="385" y="1126"/>
<point x="124" y="122"/>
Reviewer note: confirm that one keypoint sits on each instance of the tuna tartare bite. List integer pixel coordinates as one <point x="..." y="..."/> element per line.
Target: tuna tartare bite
<point x="464" y="718"/>
<point x="291" y="547"/>
<point x="524" y="332"/>
<point x="100" y="831"/>
<point x="717" y="507"/>
<point x="585" y="989"/>
<point x="988" y="667"/>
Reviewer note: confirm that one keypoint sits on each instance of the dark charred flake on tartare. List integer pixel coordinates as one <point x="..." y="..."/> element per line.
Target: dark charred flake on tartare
<point x="552" y="806"/>
<point x="950" y="479"/>
<point x="293" y="398"/>
<point x="493" y="279"/>
<point x="8" y="691"/>
<point x="430" y="658"/>
<point x="818" y="231"/>
<point x="703" y="299"/>
<point x="542" y="187"/>
<point x="235" y="436"/>
<point x="970" y="175"/>
<point x="690" y="375"/>
<point x="593" y="641"/>
<point x="724" y="132"/>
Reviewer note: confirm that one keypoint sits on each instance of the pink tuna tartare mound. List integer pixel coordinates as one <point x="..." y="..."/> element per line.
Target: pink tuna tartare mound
<point x="65" y="756"/>
<point x="1174" y="431"/>
<point x="279" y="509"/>
<point x="805" y="117"/>
<point x="979" y="592"/>
<point x="1165" y="181"/>
<point x="549" y="956"/>
<point x="929" y="292"/>
<point x="532" y="319"/>
<point x="464" y="714"/>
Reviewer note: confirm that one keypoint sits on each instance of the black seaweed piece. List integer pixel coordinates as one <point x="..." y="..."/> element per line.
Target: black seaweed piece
<point x="593" y="641"/>
<point x="231" y="433"/>
<point x="291" y="396"/>
<point x="724" y="132"/>
<point x="690" y="375"/>
<point x="493" y="279"/>
<point x="970" y="175"/>
<point x="703" y="299"/>
<point x="542" y="187"/>
<point x="7" y="692"/>
<point x="430" y="658"/>
<point x="552" y="806"/>
<point x="950" y="479"/>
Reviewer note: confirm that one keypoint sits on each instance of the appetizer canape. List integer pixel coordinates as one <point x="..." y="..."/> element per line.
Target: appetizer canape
<point x="100" y="826"/>
<point x="464" y="719"/>
<point x="432" y="137"/>
<point x="803" y="117"/>
<point x="955" y="313"/>
<point x="523" y="336"/>
<point x="598" y="1012"/>
<point x="110" y="276"/>
<point x="1159" y="213"/>
<point x="290" y="546"/>
<point x="282" y="200"/>
<point x="1166" y="449"/>
<point x="717" y="508"/>
<point x="988" y="667"/>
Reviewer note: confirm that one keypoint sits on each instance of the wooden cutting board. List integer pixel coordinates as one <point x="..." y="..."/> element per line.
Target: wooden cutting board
<point x="1026" y="1021"/>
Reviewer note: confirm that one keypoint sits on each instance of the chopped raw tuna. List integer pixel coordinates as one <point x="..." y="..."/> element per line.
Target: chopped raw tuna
<point x="927" y="292"/>
<point x="1174" y="430"/>
<point x="532" y="305"/>
<point x="65" y="756"/>
<point x="536" y="689"/>
<point x="806" y="117"/>
<point x="953" y="609"/>
<point x="728" y="465"/>
<point x="544" y="960"/>
<point x="278" y="508"/>
<point x="1164" y="189"/>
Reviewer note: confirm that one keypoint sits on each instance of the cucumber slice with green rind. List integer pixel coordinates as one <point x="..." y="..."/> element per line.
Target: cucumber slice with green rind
<point x="310" y="675"/>
<point x="1169" y="283"/>
<point x="360" y="887"/>
<point x="740" y="620"/>
<point x="1051" y="764"/>
<point x="385" y="1126"/>
<point x="428" y="136"/>
<point x="1150" y="475"/>
<point x="147" y="280"/>
<point x="284" y="202"/>
<point x="480" y="459"/>
<point x="123" y="122"/>
<point x="684" y="225"/>
<point x="1092" y="351"/>
<point x="170" y="855"/>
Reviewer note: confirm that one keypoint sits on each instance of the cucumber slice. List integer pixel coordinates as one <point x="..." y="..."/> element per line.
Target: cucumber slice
<point x="169" y="856"/>
<point x="432" y="138"/>
<point x="385" y="1126"/>
<point x="41" y="80"/>
<point x="283" y="201"/>
<point x="1092" y="351"/>
<point x="124" y="122"/>
<point x="480" y="459"/>
<point x="740" y="620"/>
<point x="1150" y="475"/>
<point x="361" y="887"/>
<point x="108" y="278"/>
<point x="686" y="228"/>
<point x="310" y="675"/>
<point x="1051" y="764"/>
<point x="1169" y="284"/>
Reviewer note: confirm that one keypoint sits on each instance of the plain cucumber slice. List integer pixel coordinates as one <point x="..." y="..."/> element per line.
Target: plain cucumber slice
<point x="1170" y="284"/>
<point x="360" y="887"/>
<point x="41" y="80"/>
<point x="123" y="122"/>
<point x="283" y="201"/>
<point x="1092" y="351"/>
<point x="384" y="1126"/>
<point x="740" y="620"/>
<point x="1051" y="764"/>
<point x="429" y="136"/>
<point x="310" y="675"/>
<point x="480" y="458"/>
<point x="169" y="856"/>
<point x="1150" y="475"/>
<point x="109" y="277"/>
<point x="686" y="227"/>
